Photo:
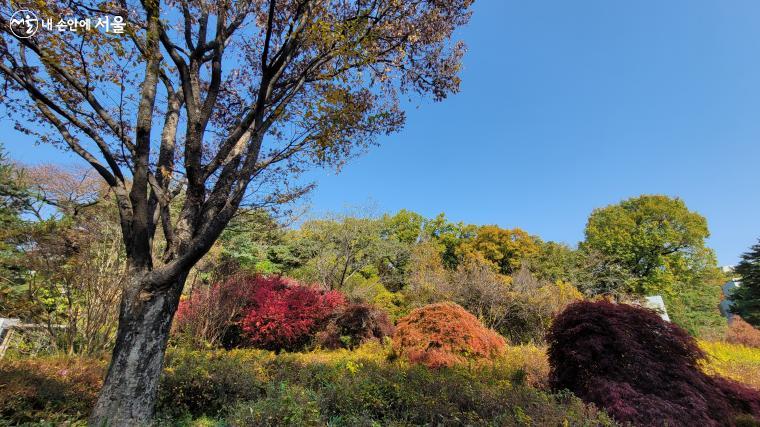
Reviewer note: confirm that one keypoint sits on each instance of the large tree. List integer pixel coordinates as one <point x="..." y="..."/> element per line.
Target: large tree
<point x="747" y="297"/>
<point x="657" y="245"/>
<point x="221" y="102"/>
<point x="345" y="246"/>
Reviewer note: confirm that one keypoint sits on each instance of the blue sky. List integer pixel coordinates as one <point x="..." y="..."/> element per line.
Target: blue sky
<point x="571" y="105"/>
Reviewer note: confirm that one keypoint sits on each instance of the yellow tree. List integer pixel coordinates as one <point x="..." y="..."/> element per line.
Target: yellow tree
<point x="505" y="249"/>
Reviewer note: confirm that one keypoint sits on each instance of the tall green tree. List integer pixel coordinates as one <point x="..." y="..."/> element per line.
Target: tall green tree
<point x="224" y="102"/>
<point x="747" y="297"/>
<point x="254" y="242"/>
<point x="555" y="261"/>
<point x="405" y="225"/>
<point x="345" y="246"/>
<point x="659" y="244"/>
<point x="13" y="193"/>
<point x="14" y="198"/>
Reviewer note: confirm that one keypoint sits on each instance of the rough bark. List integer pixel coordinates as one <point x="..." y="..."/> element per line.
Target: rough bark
<point x="128" y="394"/>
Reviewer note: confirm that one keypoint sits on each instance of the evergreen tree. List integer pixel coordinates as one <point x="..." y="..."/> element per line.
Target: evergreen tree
<point x="747" y="297"/>
<point x="13" y="199"/>
<point x="12" y="193"/>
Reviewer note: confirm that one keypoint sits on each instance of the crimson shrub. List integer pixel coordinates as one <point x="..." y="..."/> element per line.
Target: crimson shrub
<point x="641" y="369"/>
<point x="284" y="315"/>
<point x="270" y="312"/>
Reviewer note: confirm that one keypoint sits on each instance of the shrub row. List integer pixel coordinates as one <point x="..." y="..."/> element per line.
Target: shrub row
<point x="337" y="388"/>
<point x="277" y="314"/>
<point x="360" y="388"/>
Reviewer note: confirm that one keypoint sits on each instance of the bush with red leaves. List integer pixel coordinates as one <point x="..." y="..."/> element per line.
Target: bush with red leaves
<point x="641" y="369"/>
<point x="356" y="324"/>
<point x="269" y="312"/>
<point x="283" y="315"/>
<point x="444" y="334"/>
<point x="741" y="332"/>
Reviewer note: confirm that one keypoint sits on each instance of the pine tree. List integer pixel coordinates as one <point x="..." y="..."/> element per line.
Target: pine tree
<point x="746" y="298"/>
<point x="13" y="195"/>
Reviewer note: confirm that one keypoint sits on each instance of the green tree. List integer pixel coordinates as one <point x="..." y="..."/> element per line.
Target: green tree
<point x="658" y="247"/>
<point x="72" y="254"/>
<point x="14" y="198"/>
<point x="340" y="248"/>
<point x="255" y="242"/>
<point x="403" y="230"/>
<point x="406" y="226"/>
<point x="14" y="195"/>
<point x="649" y="236"/>
<point x="449" y="235"/>
<point x="555" y="261"/>
<point x="747" y="297"/>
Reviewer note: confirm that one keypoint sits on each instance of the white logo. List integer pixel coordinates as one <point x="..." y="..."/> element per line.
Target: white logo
<point x="24" y="24"/>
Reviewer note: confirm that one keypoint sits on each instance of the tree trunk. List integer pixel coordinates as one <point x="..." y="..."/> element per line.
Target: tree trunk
<point x="129" y="391"/>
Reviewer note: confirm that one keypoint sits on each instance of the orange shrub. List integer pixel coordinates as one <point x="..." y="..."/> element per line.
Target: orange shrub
<point x="444" y="334"/>
<point x="741" y="332"/>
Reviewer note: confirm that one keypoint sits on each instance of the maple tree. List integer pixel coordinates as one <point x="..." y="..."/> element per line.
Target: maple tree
<point x="270" y="312"/>
<point x="444" y="334"/>
<point x="210" y="313"/>
<point x="640" y="368"/>
<point x="285" y="316"/>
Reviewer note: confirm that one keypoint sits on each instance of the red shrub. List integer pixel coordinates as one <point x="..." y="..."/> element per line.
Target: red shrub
<point x="268" y="312"/>
<point x="284" y="316"/>
<point x="444" y="334"/>
<point x="355" y="325"/>
<point x="641" y="369"/>
<point x="741" y="332"/>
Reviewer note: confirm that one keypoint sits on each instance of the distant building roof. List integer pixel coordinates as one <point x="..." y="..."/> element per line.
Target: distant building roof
<point x="729" y="287"/>
<point x="725" y="308"/>
<point x="655" y="302"/>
